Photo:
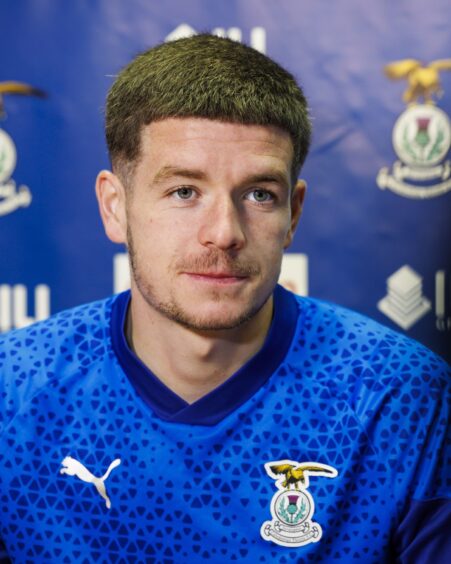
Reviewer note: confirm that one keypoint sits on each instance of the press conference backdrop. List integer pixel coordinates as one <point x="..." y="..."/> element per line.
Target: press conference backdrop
<point x="375" y="234"/>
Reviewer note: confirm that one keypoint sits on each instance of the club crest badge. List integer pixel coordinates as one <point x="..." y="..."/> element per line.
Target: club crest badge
<point x="421" y="134"/>
<point x="11" y="196"/>
<point x="292" y="506"/>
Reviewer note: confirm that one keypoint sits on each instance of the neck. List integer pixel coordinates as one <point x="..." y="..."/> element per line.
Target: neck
<point x="199" y="361"/>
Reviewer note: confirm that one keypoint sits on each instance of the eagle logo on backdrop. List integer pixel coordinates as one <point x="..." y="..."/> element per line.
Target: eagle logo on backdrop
<point x="11" y="196"/>
<point x="421" y="134"/>
<point x="292" y="506"/>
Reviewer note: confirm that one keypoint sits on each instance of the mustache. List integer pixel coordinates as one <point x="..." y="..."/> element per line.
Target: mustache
<point x="217" y="261"/>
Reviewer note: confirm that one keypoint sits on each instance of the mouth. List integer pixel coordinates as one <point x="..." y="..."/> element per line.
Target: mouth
<point x="217" y="277"/>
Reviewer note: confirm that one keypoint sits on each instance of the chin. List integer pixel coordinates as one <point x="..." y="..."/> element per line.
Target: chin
<point x="211" y="316"/>
<point x="213" y="321"/>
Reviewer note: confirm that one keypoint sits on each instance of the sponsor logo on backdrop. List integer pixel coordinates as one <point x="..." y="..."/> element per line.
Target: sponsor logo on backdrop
<point x="12" y="197"/>
<point x="421" y="134"/>
<point x="257" y="38"/>
<point x="405" y="303"/>
<point x="442" y="300"/>
<point x="121" y="273"/>
<point x="293" y="275"/>
<point x="14" y="313"/>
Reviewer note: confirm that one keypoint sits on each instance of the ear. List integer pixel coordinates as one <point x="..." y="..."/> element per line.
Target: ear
<point x="297" y="201"/>
<point x="110" y="194"/>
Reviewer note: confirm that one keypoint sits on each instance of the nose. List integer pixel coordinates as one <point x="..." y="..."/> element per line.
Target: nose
<point x="221" y="226"/>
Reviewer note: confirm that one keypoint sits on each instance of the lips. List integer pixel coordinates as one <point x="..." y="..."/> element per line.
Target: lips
<point x="217" y="277"/>
<point x="217" y="274"/>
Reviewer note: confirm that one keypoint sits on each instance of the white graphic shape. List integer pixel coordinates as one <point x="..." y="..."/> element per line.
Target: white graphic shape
<point x="8" y="156"/>
<point x="11" y="197"/>
<point x="257" y="35"/>
<point x="443" y="319"/>
<point x="294" y="273"/>
<point x="181" y="31"/>
<point x="232" y="33"/>
<point x="258" y="39"/>
<point x="121" y="273"/>
<point x="404" y="303"/>
<point x="440" y="293"/>
<point x="73" y="467"/>
<point x="14" y="306"/>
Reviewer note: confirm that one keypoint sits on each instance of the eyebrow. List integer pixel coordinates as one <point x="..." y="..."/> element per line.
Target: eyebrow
<point x="272" y="176"/>
<point x="275" y="176"/>
<point x="171" y="171"/>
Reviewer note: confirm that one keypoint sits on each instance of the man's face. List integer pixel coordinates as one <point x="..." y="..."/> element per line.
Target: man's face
<point x="207" y="216"/>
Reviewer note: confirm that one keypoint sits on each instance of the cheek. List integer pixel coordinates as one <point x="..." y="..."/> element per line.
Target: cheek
<point x="271" y="235"/>
<point x="161" y="241"/>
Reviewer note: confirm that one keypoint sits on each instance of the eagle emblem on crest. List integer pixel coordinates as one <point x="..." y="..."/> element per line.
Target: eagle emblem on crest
<point x="423" y="81"/>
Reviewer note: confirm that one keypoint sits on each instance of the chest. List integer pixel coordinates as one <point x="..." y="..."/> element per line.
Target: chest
<point x="82" y="482"/>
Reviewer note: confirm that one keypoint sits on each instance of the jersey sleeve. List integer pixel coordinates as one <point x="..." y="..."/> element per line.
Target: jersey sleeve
<point x="4" y="415"/>
<point x="423" y="535"/>
<point x="423" y="532"/>
<point x="4" y="559"/>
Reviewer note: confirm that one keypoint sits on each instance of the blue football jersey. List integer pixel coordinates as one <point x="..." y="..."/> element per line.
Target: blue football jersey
<point x="330" y="445"/>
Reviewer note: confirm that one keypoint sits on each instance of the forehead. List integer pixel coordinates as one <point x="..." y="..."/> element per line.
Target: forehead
<point x="210" y="143"/>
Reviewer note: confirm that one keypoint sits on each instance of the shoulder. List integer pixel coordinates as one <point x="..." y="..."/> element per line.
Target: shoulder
<point x="397" y="389"/>
<point x="67" y="343"/>
<point x="50" y="338"/>
<point x="378" y="372"/>
<point x="346" y="337"/>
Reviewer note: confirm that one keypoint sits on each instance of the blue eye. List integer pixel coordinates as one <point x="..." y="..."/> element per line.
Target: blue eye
<point x="261" y="196"/>
<point x="184" y="193"/>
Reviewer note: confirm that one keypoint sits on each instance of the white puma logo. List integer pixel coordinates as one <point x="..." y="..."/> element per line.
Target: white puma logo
<point x="74" y="468"/>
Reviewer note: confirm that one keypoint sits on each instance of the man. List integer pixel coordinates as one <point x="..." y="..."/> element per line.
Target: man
<point x="210" y="415"/>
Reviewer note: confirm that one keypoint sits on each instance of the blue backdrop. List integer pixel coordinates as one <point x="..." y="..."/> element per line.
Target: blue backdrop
<point x="380" y="247"/>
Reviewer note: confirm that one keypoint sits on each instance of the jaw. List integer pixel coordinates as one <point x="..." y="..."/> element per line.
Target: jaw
<point x="214" y="317"/>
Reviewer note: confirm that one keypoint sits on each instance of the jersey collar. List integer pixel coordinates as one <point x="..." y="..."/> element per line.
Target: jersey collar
<point x="217" y="404"/>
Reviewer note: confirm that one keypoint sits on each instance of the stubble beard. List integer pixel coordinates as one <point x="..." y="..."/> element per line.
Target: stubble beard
<point x="175" y="311"/>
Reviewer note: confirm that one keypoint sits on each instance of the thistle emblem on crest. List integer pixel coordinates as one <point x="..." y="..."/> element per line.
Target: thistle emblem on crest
<point x="421" y="134"/>
<point x="292" y="506"/>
